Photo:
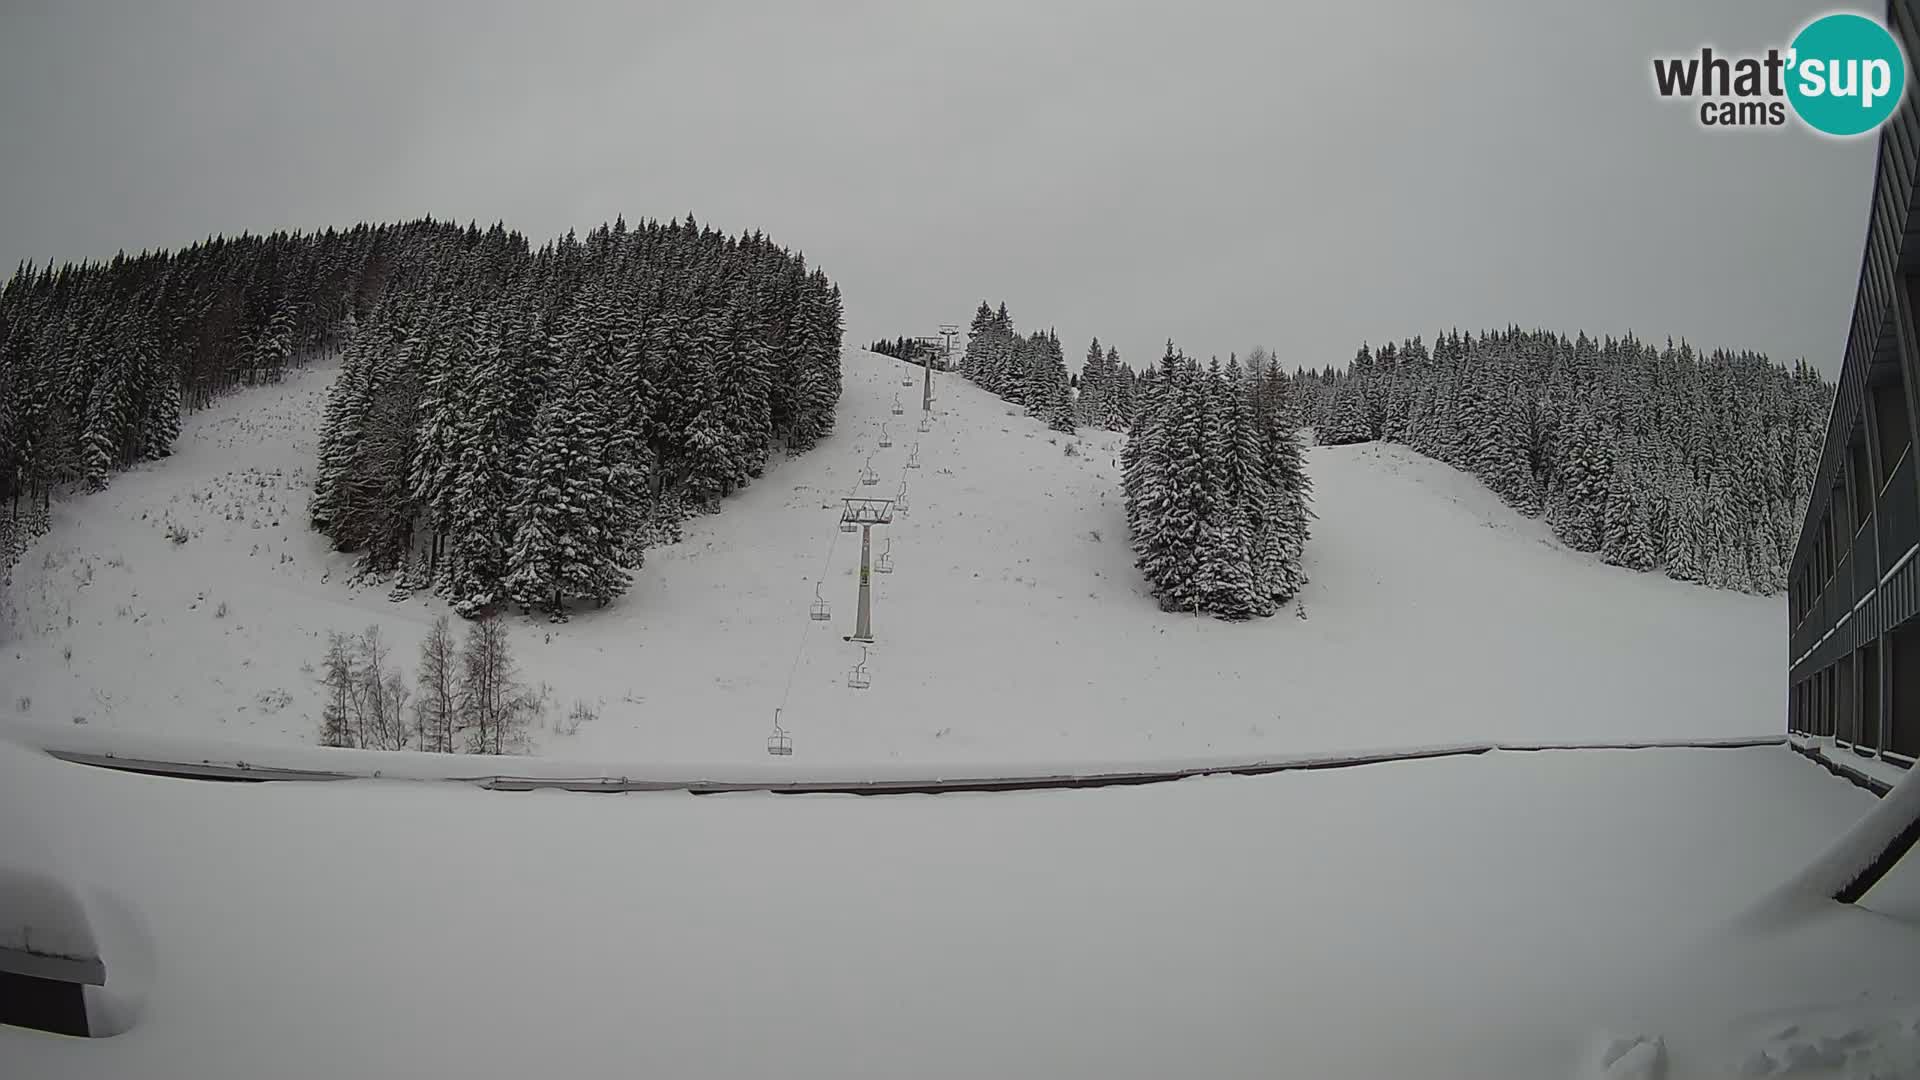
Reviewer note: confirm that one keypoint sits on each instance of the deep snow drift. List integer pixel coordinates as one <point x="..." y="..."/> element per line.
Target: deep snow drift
<point x="1014" y="627"/>
<point x="1506" y="916"/>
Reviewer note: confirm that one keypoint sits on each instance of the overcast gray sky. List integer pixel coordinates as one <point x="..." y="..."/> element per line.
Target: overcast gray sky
<point x="1226" y="174"/>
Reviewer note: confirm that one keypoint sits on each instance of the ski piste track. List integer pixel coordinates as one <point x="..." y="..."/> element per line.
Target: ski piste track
<point x="195" y="759"/>
<point x="159" y="757"/>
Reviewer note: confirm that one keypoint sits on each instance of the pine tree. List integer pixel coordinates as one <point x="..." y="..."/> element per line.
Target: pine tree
<point x="563" y="546"/>
<point x="1346" y="415"/>
<point x="1091" y="404"/>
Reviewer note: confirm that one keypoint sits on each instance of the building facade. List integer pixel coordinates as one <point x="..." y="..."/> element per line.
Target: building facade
<point x="1854" y="582"/>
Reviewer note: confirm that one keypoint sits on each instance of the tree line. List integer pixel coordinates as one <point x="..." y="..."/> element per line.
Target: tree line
<point x="1214" y="474"/>
<point x="516" y="427"/>
<point x="1216" y="487"/>
<point x="469" y="696"/>
<point x="1026" y="370"/>
<point x="1657" y="458"/>
<point x="98" y="360"/>
<point x="909" y="350"/>
<point x="508" y="426"/>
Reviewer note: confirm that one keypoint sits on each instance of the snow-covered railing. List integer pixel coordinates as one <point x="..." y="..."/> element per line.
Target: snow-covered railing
<point x="220" y="761"/>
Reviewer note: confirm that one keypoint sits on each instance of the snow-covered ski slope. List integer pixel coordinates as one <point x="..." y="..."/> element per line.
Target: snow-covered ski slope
<point x="1014" y="627"/>
<point x="1504" y="917"/>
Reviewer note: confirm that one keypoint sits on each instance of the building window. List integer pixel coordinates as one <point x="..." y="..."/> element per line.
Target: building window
<point x="1830" y="721"/>
<point x="1894" y="431"/>
<point x="1869" y="723"/>
<point x="1860" y="480"/>
<point x="1846" y="726"/>
<point x="1903" y="698"/>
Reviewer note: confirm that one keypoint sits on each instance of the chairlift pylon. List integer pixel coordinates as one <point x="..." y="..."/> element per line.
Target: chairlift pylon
<point x="818" y="611"/>
<point x="884" y="564"/>
<point x="779" y="744"/>
<point x="858" y="678"/>
<point x="886" y="437"/>
<point x="926" y="422"/>
<point x="868" y="477"/>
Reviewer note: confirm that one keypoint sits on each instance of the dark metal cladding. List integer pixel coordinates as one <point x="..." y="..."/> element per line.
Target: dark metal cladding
<point x="1853" y="649"/>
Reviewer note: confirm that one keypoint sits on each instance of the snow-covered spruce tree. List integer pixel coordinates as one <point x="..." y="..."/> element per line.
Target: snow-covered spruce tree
<point x="564" y="546"/>
<point x="1346" y="420"/>
<point x="973" y="359"/>
<point x="1282" y="544"/>
<point x="1050" y="395"/>
<point x="1120" y="393"/>
<point x="1090" y="403"/>
<point x="1215" y="496"/>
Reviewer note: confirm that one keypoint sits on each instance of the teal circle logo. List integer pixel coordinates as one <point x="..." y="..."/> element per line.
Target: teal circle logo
<point x="1846" y="74"/>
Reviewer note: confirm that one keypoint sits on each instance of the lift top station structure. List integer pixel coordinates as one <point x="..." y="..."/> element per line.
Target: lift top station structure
<point x="864" y="514"/>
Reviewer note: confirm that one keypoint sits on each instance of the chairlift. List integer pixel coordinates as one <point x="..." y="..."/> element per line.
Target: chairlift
<point x="926" y="422"/>
<point x="818" y="610"/>
<point x="858" y="678"/>
<point x="913" y="459"/>
<point x="886" y="437"/>
<point x="907" y="379"/>
<point x="897" y="407"/>
<point x="900" y="500"/>
<point x="868" y="477"/>
<point x="847" y="526"/>
<point x="779" y="744"/>
<point x="884" y="565"/>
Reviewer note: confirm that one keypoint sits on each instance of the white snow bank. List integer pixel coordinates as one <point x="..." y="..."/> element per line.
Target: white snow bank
<point x="1849" y="856"/>
<point x="201" y="756"/>
<point x="42" y="920"/>
<point x="1474" y="917"/>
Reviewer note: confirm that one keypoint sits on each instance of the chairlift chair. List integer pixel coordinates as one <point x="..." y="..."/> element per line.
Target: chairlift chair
<point x="897" y="407"/>
<point x="913" y="459"/>
<point x="868" y="477"/>
<point x="886" y="437"/>
<point x="900" y="500"/>
<point x="926" y="422"/>
<point x="818" y="610"/>
<point x="858" y="678"/>
<point x="779" y="744"/>
<point x="884" y="565"/>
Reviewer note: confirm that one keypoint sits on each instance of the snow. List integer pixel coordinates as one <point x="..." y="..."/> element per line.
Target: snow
<point x="1850" y="760"/>
<point x="1015" y="628"/>
<point x="1504" y="915"/>
<point x="1848" y="857"/>
<point x="40" y="919"/>
<point x="188" y="755"/>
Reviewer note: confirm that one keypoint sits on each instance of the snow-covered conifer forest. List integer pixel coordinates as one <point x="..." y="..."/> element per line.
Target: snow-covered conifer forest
<point x="912" y="350"/>
<point x="507" y="425"/>
<point x="1657" y="457"/>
